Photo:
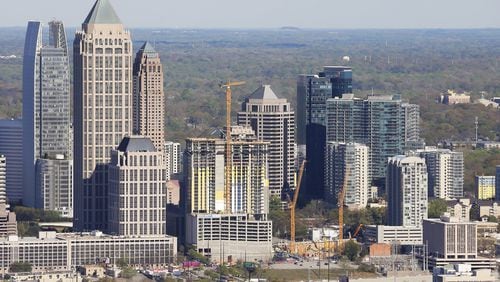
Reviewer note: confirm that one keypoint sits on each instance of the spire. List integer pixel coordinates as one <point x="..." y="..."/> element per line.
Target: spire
<point x="147" y="48"/>
<point x="102" y="13"/>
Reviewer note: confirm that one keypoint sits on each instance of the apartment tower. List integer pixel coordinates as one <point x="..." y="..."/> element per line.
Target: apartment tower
<point x="148" y="97"/>
<point x="273" y="121"/>
<point x="102" y="109"/>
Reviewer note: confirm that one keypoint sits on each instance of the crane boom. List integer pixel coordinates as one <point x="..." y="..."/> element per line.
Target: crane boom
<point x="341" y="210"/>
<point x="292" y="206"/>
<point x="229" y="164"/>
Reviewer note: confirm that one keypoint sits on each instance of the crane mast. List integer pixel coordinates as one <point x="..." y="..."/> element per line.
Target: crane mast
<point x="292" y="205"/>
<point x="341" y="211"/>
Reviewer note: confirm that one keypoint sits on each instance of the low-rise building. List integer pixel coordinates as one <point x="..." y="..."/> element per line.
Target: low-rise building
<point x="488" y="145"/>
<point x="401" y="235"/>
<point x="50" y="276"/>
<point x="485" y="187"/>
<point x="459" y="208"/>
<point x="451" y="97"/>
<point x="461" y="273"/>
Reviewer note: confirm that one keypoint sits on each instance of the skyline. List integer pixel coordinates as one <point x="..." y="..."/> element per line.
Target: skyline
<point x="359" y="14"/>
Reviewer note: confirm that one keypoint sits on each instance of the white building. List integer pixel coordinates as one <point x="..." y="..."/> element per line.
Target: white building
<point x="351" y="159"/>
<point x="401" y="235"/>
<point x="3" y="179"/>
<point x="137" y="188"/>
<point x="172" y="158"/>
<point x="445" y="172"/>
<point x="406" y="185"/>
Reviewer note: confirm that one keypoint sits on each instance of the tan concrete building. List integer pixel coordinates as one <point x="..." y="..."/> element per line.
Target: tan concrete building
<point x="149" y="98"/>
<point x="451" y="97"/>
<point x="137" y="189"/>
<point x="102" y="109"/>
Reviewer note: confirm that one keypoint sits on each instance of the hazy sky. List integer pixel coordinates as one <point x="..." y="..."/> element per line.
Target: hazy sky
<point x="267" y="13"/>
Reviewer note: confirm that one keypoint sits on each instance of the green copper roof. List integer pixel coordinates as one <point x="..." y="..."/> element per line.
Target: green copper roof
<point x="102" y="13"/>
<point x="147" y="48"/>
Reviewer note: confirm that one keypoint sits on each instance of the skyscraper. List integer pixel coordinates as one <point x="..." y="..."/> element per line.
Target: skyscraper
<point x="3" y="179"/>
<point x="406" y="191"/>
<point x="11" y="146"/>
<point x="445" y="171"/>
<point x="347" y="160"/>
<point x="485" y="187"/>
<point x="380" y="122"/>
<point x="273" y="121"/>
<point x="148" y="97"/>
<point x="172" y="158"/>
<point x="312" y="94"/>
<point x="102" y="109"/>
<point x="46" y="106"/>
<point x="137" y="189"/>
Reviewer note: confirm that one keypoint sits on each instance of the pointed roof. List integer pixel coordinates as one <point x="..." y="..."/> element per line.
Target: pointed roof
<point x="147" y="48"/>
<point x="102" y="13"/>
<point x="136" y="144"/>
<point x="264" y="93"/>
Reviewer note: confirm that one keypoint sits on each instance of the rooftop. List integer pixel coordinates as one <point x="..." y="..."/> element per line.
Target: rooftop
<point x="264" y="93"/>
<point x="102" y="13"/>
<point x="136" y="144"/>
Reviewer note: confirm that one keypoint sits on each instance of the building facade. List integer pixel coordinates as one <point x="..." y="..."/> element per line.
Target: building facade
<point x="273" y="121"/>
<point x="102" y="109"/>
<point x="313" y="90"/>
<point x="148" y="97"/>
<point x="347" y="160"/>
<point x="3" y="179"/>
<point x="172" y="158"/>
<point x="497" y="183"/>
<point x="137" y="189"/>
<point x="46" y="103"/>
<point x="11" y="146"/>
<point x="485" y="187"/>
<point x="406" y="184"/>
<point x="445" y="171"/>
<point x="380" y="122"/>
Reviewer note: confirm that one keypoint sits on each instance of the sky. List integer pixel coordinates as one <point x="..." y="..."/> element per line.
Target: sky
<point x="331" y="14"/>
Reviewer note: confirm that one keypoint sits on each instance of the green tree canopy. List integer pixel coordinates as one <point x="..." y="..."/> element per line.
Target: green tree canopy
<point x="20" y="267"/>
<point x="351" y="250"/>
<point x="436" y="208"/>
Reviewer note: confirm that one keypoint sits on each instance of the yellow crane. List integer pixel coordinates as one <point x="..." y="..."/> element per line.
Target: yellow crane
<point x="292" y="206"/>
<point x="340" y="204"/>
<point x="227" y="185"/>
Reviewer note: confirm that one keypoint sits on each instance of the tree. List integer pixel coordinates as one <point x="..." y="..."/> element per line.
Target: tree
<point x="436" y="208"/>
<point x="492" y="218"/>
<point x="20" y="267"/>
<point x="351" y="250"/>
<point x="128" y="272"/>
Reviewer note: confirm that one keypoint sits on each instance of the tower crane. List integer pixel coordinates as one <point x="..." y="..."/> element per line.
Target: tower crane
<point x="292" y="206"/>
<point x="229" y="163"/>
<point x="340" y="204"/>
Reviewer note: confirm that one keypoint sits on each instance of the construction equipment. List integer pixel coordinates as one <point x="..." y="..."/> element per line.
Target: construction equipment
<point x="357" y="230"/>
<point x="227" y="186"/>
<point x="340" y="203"/>
<point x="292" y="206"/>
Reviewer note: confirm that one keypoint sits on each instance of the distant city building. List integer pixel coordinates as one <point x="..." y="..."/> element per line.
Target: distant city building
<point x="402" y="235"/>
<point x="273" y="121"/>
<point x="450" y="240"/>
<point x="64" y="251"/>
<point x="380" y="122"/>
<point x="8" y="224"/>
<point x="148" y="97"/>
<point x="173" y="192"/>
<point x="3" y="179"/>
<point x="312" y="92"/>
<point x="204" y="169"/>
<point x="46" y="106"/>
<point x="102" y="109"/>
<point x="406" y="191"/>
<point x="137" y="188"/>
<point x="485" y="187"/>
<point x="11" y="146"/>
<point x="461" y="273"/>
<point x="487" y="208"/>
<point x="497" y="183"/>
<point x="446" y="172"/>
<point x="172" y="158"/>
<point x="347" y="160"/>
<point x="459" y="208"/>
<point x="488" y="145"/>
<point x="451" y="97"/>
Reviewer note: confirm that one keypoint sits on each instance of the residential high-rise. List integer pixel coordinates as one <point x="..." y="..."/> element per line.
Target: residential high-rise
<point x="46" y="109"/>
<point x="204" y="174"/>
<point x="102" y="109"/>
<point x="349" y="159"/>
<point x="273" y="121"/>
<point x="497" y="183"/>
<point x="445" y="171"/>
<point x="380" y="122"/>
<point x="148" y="97"/>
<point x="312" y="94"/>
<point x="485" y="187"/>
<point x="3" y="179"/>
<point x="172" y="158"/>
<point x="11" y="146"/>
<point x="406" y="185"/>
<point x="137" y="189"/>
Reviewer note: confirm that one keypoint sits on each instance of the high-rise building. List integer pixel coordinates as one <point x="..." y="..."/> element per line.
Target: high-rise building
<point x="273" y="121"/>
<point x="380" y="122"/>
<point x="172" y="158"/>
<point x="137" y="188"/>
<point x="497" y="183"/>
<point x="347" y="160"/>
<point x="204" y="171"/>
<point x="148" y="97"/>
<point x="406" y="191"/>
<point x="3" y="179"/>
<point x="46" y="102"/>
<point x="11" y="146"/>
<point x="445" y="171"/>
<point x="485" y="187"/>
<point x="102" y="109"/>
<point x="312" y="94"/>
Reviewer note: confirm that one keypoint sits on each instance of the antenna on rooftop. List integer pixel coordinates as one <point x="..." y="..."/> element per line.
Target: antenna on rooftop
<point x="477" y="126"/>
